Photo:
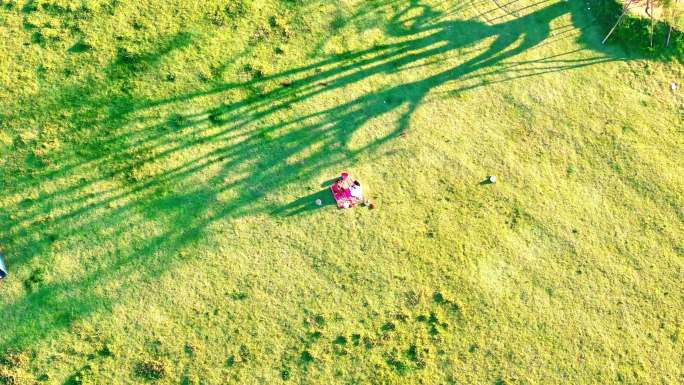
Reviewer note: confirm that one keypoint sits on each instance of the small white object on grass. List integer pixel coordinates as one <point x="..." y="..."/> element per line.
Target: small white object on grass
<point x="673" y="86"/>
<point x="492" y="179"/>
<point x="319" y="202"/>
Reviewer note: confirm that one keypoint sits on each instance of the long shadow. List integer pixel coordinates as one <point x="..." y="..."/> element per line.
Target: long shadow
<point x="307" y="204"/>
<point x="130" y="155"/>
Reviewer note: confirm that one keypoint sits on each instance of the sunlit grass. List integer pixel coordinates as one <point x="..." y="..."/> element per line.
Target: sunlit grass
<point x="161" y="159"/>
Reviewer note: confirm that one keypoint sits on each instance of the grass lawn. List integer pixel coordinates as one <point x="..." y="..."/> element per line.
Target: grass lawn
<point x="160" y="160"/>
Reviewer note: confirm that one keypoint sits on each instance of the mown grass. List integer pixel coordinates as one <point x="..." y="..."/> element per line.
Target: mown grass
<point x="160" y="160"/>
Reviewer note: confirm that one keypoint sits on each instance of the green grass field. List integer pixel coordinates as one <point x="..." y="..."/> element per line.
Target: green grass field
<point x="160" y="159"/>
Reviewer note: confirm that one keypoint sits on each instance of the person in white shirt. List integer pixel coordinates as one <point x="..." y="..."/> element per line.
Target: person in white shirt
<point x="356" y="191"/>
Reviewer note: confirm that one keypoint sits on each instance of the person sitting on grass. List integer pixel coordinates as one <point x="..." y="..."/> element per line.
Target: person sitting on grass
<point x="356" y="192"/>
<point x="340" y="186"/>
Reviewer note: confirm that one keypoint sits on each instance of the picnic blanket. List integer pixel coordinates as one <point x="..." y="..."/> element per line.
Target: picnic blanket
<point x="341" y="193"/>
<point x="342" y="197"/>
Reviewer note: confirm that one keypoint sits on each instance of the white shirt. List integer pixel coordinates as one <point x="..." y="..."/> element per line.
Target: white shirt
<point x="356" y="191"/>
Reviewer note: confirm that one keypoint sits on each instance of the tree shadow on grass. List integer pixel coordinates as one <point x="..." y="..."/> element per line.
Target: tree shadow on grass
<point x="133" y="164"/>
<point x="307" y="204"/>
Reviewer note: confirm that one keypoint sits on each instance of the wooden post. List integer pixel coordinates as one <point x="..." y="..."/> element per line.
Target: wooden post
<point x="673" y="19"/>
<point x="624" y="11"/>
